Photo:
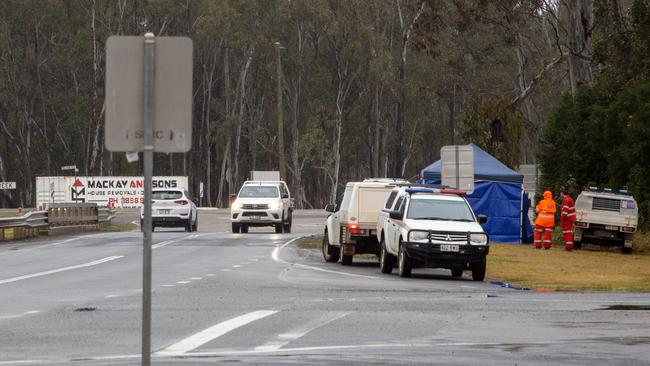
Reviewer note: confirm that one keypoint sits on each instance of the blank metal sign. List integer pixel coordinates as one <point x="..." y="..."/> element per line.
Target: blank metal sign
<point x="457" y="167"/>
<point x="125" y="94"/>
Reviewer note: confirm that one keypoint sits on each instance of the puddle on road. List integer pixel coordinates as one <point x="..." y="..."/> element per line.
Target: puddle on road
<point x="626" y="307"/>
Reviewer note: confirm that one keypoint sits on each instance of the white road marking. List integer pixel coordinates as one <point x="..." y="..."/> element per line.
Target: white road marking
<point x="215" y="331"/>
<point x="254" y="260"/>
<point x="210" y="275"/>
<point x="183" y="282"/>
<point x="226" y="270"/>
<point x="196" y="278"/>
<point x="167" y="285"/>
<point x="70" y="268"/>
<point x="172" y="241"/>
<point x="276" y="257"/>
<point x="285" y="338"/>
<point x="236" y="266"/>
<point x="31" y="312"/>
<point x="111" y="296"/>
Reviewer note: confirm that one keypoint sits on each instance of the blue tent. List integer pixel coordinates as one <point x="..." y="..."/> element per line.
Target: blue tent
<point x="498" y="194"/>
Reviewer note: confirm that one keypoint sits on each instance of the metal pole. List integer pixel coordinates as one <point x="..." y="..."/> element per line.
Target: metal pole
<point x="149" y="42"/>
<point x="280" y="110"/>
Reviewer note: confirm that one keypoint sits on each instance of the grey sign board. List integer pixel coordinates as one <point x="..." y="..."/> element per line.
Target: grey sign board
<point x="7" y="185"/>
<point x="172" y="123"/>
<point x="457" y="167"/>
<point x="531" y="175"/>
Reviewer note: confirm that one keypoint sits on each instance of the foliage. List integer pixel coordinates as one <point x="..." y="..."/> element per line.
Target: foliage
<point x="603" y="136"/>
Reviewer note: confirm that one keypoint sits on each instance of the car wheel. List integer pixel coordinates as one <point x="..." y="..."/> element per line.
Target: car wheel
<point x="235" y="228"/>
<point x="405" y="265"/>
<point x="244" y="229"/>
<point x="196" y="225"/>
<point x="478" y="270"/>
<point x="346" y="259"/>
<point x="577" y="245"/>
<point x="153" y="228"/>
<point x="287" y="226"/>
<point x="141" y="226"/>
<point x="386" y="260"/>
<point x="188" y="225"/>
<point x="331" y="254"/>
<point x="456" y="273"/>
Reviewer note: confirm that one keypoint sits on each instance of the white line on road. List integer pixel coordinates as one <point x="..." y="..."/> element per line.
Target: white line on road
<point x="226" y="270"/>
<point x="210" y="275"/>
<point x="111" y="296"/>
<point x="39" y="274"/>
<point x="183" y="282"/>
<point x="167" y="285"/>
<point x="196" y="278"/>
<point x="236" y="266"/>
<point x="31" y="312"/>
<point x="285" y="338"/>
<point x="215" y="331"/>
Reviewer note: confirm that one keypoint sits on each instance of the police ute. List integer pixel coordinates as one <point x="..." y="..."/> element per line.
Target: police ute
<point x="432" y="228"/>
<point x="606" y="217"/>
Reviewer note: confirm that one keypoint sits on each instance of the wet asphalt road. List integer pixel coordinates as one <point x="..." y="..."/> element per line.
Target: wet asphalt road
<point x="258" y="299"/>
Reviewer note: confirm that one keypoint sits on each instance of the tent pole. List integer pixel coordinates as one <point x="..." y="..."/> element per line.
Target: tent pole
<point x="521" y="215"/>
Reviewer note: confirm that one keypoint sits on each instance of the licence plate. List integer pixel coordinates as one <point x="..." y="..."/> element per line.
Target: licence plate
<point x="612" y="228"/>
<point x="255" y="217"/>
<point x="163" y="212"/>
<point x="448" y="248"/>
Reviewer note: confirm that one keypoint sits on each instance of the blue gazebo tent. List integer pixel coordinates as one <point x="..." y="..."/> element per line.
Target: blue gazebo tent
<point x="498" y="194"/>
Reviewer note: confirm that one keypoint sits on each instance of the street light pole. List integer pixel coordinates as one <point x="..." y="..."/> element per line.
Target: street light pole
<point x="283" y="169"/>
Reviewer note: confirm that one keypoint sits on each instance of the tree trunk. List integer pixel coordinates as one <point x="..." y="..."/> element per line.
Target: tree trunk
<point x="222" y="176"/>
<point x="242" y="95"/>
<point x="579" y="26"/>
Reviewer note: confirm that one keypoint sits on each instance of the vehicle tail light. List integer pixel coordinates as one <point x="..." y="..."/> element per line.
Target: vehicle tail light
<point x="628" y="229"/>
<point x="181" y="202"/>
<point x="354" y="229"/>
<point x="580" y="224"/>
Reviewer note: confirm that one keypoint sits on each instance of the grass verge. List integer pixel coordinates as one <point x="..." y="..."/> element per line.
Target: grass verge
<point x="8" y="214"/>
<point x="114" y="227"/>
<point x="579" y="270"/>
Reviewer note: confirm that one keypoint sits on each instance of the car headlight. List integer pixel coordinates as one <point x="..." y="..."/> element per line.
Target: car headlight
<point x="480" y="239"/>
<point x="236" y="205"/>
<point x="419" y="236"/>
<point x="274" y="205"/>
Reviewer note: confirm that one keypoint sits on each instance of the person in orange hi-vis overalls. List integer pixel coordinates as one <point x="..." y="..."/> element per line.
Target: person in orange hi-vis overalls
<point x="545" y="221"/>
<point x="567" y="219"/>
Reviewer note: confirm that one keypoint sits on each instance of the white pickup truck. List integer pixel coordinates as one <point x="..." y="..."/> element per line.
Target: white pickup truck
<point x="434" y="228"/>
<point x="262" y="203"/>
<point x="350" y="229"/>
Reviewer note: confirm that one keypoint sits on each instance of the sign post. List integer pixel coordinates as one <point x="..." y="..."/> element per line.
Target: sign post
<point x="148" y="108"/>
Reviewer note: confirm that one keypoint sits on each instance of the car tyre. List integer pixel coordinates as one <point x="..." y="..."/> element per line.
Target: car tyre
<point x="244" y="229"/>
<point x="235" y="228"/>
<point x="195" y="227"/>
<point x="478" y="270"/>
<point x="386" y="260"/>
<point x="188" y="225"/>
<point x="287" y="225"/>
<point x="346" y="259"/>
<point x="405" y="264"/>
<point x="577" y="245"/>
<point x="331" y="254"/>
<point x="456" y="273"/>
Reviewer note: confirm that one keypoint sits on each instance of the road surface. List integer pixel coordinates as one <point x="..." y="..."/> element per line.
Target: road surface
<point x="258" y="298"/>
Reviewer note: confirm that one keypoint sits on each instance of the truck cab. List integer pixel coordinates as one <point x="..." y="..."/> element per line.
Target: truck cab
<point x="432" y="228"/>
<point x="606" y="217"/>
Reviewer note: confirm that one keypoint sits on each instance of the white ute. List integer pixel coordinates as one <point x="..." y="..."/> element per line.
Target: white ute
<point x="172" y="208"/>
<point x="606" y="217"/>
<point x="262" y="203"/>
<point x="350" y="229"/>
<point x="433" y="228"/>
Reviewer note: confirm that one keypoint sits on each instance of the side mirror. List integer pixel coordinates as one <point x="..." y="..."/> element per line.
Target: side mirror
<point x="396" y="215"/>
<point x="482" y="219"/>
<point x="285" y="196"/>
<point x="330" y="207"/>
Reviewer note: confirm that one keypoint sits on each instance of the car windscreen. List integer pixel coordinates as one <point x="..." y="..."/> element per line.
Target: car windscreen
<point x="259" y="192"/>
<point x="166" y="195"/>
<point x="433" y="209"/>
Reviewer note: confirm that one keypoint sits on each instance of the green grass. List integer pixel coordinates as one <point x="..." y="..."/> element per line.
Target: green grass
<point x="8" y="214"/>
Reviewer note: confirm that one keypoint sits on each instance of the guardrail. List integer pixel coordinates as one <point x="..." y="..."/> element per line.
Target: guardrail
<point x="58" y="216"/>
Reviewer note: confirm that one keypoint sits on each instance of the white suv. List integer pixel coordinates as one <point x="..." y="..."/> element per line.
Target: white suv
<point x="172" y="208"/>
<point x="262" y="203"/>
<point x="434" y="228"/>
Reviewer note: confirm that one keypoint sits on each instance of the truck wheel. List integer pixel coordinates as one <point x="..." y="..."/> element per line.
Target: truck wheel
<point x="287" y="225"/>
<point x="478" y="270"/>
<point x="405" y="265"/>
<point x="278" y="228"/>
<point x="244" y="229"/>
<point x="386" y="260"/>
<point x="456" y="273"/>
<point x="235" y="228"/>
<point x="346" y="259"/>
<point x="330" y="254"/>
<point x="577" y="245"/>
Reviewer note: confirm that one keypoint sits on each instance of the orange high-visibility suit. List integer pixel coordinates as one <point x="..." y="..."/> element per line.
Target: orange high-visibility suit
<point x="567" y="219"/>
<point x="545" y="221"/>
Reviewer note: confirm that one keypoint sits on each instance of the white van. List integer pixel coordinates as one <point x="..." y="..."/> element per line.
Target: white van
<point x="351" y="228"/>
